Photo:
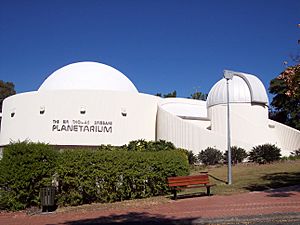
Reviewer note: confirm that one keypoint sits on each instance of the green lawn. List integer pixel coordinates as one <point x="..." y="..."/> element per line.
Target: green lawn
<point x="251" y="177"/>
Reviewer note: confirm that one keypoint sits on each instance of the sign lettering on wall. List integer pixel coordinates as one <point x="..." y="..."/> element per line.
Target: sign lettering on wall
<point x="85" y="126"/>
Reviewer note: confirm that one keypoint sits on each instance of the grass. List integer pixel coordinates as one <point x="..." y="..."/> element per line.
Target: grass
<point x="251" y="177"/>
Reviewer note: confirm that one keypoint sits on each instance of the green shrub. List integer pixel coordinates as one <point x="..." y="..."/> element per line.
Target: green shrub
<point x="24" y="169"/>
<point x="87" y="176"/>
<point x="237" y="155"/>
<point x="138" y="145"/>
<point x="210" y="156"/>
<point x="105" y="174"/>
<point x="161" y="145"/>
<point x="142" y="145"/>
<point x="264" y="154"/>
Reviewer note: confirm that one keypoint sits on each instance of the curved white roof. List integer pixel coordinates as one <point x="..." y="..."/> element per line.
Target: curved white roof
<point x="183" y="107"/>
<point x="243" y="88"/>
<point x="88" y="76"/>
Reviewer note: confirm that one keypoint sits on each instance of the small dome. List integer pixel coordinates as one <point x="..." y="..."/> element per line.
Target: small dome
<point x="88" y="76"/>
<point x="243" y="88"/>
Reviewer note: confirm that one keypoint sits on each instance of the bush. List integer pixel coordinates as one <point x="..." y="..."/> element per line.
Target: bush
<point x="237" y="155"/>
<point x="266" y="153"/>
<point x="105" y="174"/>
<point x="24" y="169"/>
<point x="210" y="156"/>
<point x="87" y="176"/>
<point x="142" y="145"/>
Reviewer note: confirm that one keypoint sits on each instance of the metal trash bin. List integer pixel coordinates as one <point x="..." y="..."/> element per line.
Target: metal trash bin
<point x="47" y="198"/>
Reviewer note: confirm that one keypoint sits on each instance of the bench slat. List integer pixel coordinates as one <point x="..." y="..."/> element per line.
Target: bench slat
<point x="189" y="177"/>
<point x="188" y="187"/>
<point x="200" y="178"/>
<point x="184" y="182"/>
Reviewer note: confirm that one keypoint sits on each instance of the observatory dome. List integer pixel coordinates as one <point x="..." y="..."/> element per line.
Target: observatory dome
<point x="88" y="76"/>
<point x="243" y="88"/>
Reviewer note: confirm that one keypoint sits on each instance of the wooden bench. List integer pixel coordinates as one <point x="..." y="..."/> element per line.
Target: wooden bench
<point x="184" y="182"/>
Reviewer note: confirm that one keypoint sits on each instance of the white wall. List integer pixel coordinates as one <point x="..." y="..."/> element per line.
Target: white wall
<point x="287" y="138"/>
<point x="60" y="106"/>
<point x="248" y="122"/>
<point x="250" y="125"/>
<point x="201" y="123"/>
<point x="184" y="134"/>
<point x="249" y="128"/>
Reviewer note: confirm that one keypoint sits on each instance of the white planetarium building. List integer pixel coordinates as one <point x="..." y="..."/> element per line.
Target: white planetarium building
<point x="89" y="104"/>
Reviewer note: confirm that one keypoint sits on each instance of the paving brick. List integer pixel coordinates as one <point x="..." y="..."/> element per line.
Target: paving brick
<point x="285" y="200"/>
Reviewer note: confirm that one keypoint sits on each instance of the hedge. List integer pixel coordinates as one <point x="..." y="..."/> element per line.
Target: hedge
<point x="24" y="169"/>
<point x="86" y="176"/>
<point x="106" y="174"/>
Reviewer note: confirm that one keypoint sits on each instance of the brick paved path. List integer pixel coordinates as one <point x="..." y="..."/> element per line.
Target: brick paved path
<point x="285" y="200"/>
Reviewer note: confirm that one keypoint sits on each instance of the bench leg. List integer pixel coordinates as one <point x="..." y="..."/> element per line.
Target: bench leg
<point x="208" y="191"/>
<point x="175" y="194"/>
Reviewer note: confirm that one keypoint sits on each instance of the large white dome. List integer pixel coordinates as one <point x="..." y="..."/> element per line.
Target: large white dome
<point x="88" y="76"/>
<point x="243" y="88"/>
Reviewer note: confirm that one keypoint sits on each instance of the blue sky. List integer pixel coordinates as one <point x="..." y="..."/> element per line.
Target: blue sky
<point x="160" y="45"/>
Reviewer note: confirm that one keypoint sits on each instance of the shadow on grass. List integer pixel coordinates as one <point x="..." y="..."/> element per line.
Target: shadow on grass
<point x="284" y="183"/>
<point x="218" y="179"/>
<point x="130" y="218"/>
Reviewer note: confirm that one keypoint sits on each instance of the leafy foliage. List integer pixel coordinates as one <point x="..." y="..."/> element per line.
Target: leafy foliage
<point x="237" y="155"/>
<point x="286" y="88"/>
<point x="105" y="174"/>
<point x="142" y="145"/>
<point x="199" y="96"/>
<point x="169" y="95"/>
<point x="24" y="169"/>
<point x="87" y="176"/>
<point x="6" y="89"/>
<point x="210" y="156"/>
<point x="264" y="154"/>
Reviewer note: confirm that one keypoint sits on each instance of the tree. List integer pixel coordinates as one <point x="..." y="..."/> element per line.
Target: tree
<point x="6" y="89"/>
<point x="199" y="96"/>
<point x="169" y="95"/>
<point x="286" y="102"/>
